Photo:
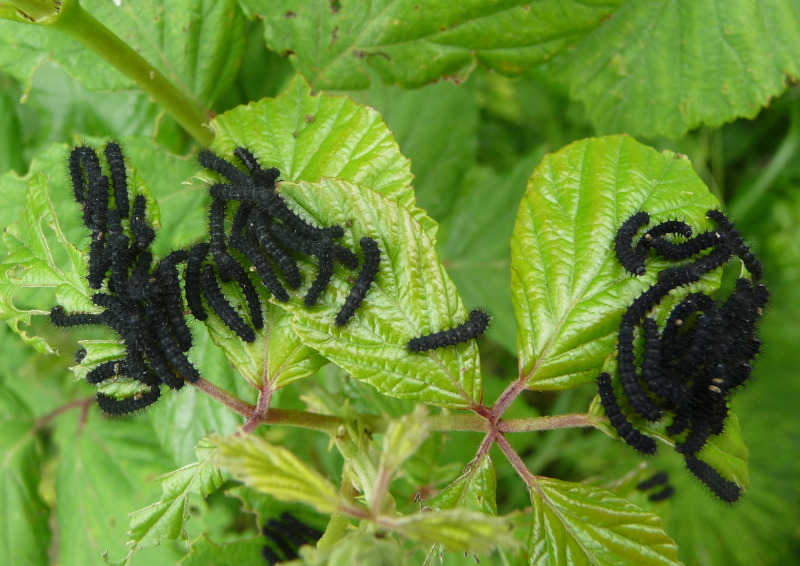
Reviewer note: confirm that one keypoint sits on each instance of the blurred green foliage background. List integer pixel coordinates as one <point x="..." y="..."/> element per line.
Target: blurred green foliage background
<point x="473" y="146"/>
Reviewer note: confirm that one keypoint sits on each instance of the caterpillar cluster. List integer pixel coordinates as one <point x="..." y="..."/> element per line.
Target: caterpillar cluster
<point x="143" y="299"/>
<point x="692" y="366"/>
<point x="287" y="535"/>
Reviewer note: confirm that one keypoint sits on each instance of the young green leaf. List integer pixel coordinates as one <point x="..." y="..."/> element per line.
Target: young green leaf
<point x="165" y="519"/>
<point x="276" y="471"/>
<point x="458" y="530"/>
<point x="402" y="439"/>
<point x="411" y="296"/>
<point x="576" y="524"/>
<point x="412" y="44"/>
<point x="569" y="289"/>
<point x="663" y="68"/>
<point x="475" y="490"/>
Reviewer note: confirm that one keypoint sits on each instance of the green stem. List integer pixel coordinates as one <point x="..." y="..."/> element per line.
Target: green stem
<point x="80" y="25"/>
<point x="547" y="423"/>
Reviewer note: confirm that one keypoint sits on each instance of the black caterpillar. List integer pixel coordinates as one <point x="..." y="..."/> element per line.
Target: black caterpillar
<point x="691" y="367"/>
<point x="287" y="535"/>
<point x="475" y="325"/>
<point x="656" y="480"/>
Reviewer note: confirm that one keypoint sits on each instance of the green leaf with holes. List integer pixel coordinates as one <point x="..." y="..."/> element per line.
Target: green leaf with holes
<point x="569" y="290"/>
<point x="335" y="44"/>
<point x="411" y="296"/>
<point x="39" y="257"/>
<point x="576" y="524"/>
<point x="663" y="68"/>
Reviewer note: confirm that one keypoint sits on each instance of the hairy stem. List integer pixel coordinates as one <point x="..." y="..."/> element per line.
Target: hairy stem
<point x="81" y="26"/>
<point x="262" y="407"/>
<point x="220" y="395"/>
<point x="515" y="460"/>
<point x="547" y="423"/>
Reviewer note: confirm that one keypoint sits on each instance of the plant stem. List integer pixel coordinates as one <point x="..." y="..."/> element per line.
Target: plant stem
<point x="81" y="26"/>
<point x="515" y="460"/>
<point x="547" y="423"/>
<point x="262" y="408"/>
<point x="231" y="401"/>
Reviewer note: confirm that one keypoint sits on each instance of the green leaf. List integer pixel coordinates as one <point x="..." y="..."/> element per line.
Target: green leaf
<point x="475" y="490"/>
<point x="197" y="44"/>
<point x="458" y="530"/>
<point x="575" y="524"/>
<point x="403" y="438"/>
<point x="276" y="471"/>
<point x="24" y="530"/>
<point x="569" y="290"/>
<point x="105" y="472"/>
<point x="411" y="43"/>
<point x="236" y="553"/>
<point x="165" y="519"/>
<point x="10" y="130"/>
<point x="663" y="68"/>
<point x="412" y="295"/>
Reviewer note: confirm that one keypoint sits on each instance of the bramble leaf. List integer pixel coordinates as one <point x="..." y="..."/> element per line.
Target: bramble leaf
<point x="569" y="289"/>
<point x="412" y="295"/>
<point x="411" y="43"/>
<point x="576" y="524"/>
<point x="663" y="68"/>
